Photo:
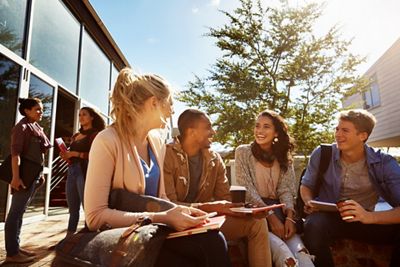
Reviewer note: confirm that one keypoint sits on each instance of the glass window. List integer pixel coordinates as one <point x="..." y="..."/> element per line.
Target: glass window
<point x="376" y="101"/>
<point x="95" y="74"/>
<point x="114" y="75"/>
<point x="9" y="83"/>
<point x="42" y="90"/>
<point x="55" y="42"/>
<point x="12" y="25"/>
<point x="371" y="96"/>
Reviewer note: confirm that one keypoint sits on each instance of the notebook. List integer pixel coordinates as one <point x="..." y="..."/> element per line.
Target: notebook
<point x="213" y="223"/>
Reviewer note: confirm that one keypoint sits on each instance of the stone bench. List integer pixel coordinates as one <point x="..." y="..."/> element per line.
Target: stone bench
<point x="352" y="253"/>
<point x="345" y="252"/>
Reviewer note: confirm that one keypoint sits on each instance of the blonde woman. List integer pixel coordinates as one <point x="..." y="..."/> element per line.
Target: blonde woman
<point x="129" y="155"/>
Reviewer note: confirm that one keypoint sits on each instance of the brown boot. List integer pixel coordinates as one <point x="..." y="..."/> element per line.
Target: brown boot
<point x="27" y="252"/>
<point x="19" y="258"/>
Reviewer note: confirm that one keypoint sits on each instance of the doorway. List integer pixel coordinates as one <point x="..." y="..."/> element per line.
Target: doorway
<point x="64" y="128"/>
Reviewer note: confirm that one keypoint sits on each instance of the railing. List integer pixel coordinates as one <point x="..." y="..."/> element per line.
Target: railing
<point x="59" y="171"/>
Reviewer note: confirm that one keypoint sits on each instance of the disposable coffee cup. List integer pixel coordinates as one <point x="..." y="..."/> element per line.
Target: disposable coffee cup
<point x="341" y="203"/>
<point x="238" y="194"/>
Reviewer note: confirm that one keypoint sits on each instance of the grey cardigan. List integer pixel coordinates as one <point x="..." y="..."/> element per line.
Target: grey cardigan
<point x="245" y="172"/>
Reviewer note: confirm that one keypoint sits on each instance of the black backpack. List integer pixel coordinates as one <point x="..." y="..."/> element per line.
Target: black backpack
<point x="326" y="154"/>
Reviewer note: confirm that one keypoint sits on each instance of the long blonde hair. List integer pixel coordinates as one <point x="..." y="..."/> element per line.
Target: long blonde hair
<point x="128" y="96"/>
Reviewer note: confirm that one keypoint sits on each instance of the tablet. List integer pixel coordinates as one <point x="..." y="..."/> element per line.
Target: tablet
<point x="256" y="210"/>
<point x="324" y="206"/>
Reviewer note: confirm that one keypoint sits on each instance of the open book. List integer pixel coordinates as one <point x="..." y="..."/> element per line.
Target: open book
<point x="324" y="206"/>
<point x="213" y="223"/>
<point x="255" y="210"/>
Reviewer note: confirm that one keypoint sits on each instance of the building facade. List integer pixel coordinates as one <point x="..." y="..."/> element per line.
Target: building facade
<point x="382" y="98"/>
<point x="60" y="52"/>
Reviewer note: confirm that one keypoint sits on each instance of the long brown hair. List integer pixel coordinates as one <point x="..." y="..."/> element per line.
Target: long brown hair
<point x="98" y="121"/>
<point x="282" y="149"/>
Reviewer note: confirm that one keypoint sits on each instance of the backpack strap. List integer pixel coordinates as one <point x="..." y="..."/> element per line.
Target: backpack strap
<point x="325" y="160"/>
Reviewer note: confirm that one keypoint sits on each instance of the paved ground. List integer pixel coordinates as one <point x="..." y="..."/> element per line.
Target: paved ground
<point x="41" y="237"/>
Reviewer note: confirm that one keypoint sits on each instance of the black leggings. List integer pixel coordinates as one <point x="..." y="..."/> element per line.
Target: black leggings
<point x="200" y="250"/>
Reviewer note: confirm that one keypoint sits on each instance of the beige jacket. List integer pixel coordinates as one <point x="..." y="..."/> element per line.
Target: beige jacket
<point x="245" y="171"/>
<point x="213" y="183"/>
<point x="114" y="165"/>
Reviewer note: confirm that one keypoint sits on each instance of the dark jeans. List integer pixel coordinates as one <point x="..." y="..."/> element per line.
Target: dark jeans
<point x="200" y="250"/>
<point x="74" y="189"/>
<point x="12" y="227"/>
<point x="321" y="229"/>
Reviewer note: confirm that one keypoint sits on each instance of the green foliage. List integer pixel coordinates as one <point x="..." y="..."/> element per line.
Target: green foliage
<point x="272" y="59"/>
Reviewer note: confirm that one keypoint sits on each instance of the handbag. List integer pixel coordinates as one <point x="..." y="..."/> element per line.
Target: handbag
<point x="137" y="245"/>
<point x="28" y="171"/>
<point x="124" y="200"/>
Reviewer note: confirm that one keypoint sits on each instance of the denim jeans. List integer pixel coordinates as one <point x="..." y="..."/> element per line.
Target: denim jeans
<point x="321" y="229"/>
<point x="294" y="248"/>
<point x="74" y="190"/>
<point x="199" y="250"/>
<point x="12" y="227"/>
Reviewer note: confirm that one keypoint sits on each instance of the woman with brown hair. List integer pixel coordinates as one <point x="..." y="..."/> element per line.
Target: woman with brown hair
<point x="28" y="142"/>
<point x="78" y="155"/>
<point x="265" y="168"/>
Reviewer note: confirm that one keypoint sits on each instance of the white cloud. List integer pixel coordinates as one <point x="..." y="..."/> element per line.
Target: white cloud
<point x="215" y="3"/>
<point x="152" y="40"/>
<point x="195" y="10"/>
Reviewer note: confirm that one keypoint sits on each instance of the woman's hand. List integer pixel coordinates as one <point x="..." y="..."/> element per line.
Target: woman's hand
<point x="180" y="217"/>
<point x="290" y="228"/>
<point x="222" y="207"/>
<point x="276" y="225"/>
<point x="16" y="183"/>
<point x="68" y="154"/>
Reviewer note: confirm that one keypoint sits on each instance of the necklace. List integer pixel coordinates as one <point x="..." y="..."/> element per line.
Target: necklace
<point x="270" y="182"/>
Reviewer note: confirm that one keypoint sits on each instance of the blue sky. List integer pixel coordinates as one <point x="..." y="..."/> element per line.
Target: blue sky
<point x="166" y="37"/>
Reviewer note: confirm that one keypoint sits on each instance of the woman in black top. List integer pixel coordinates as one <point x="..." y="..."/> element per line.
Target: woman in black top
<point x="78" y="154"/>
<point x="28" y="143"/>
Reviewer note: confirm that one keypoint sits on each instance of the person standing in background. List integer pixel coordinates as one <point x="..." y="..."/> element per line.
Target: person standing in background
<point x="28" y="141"/>
<point x="91" y="123"/>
